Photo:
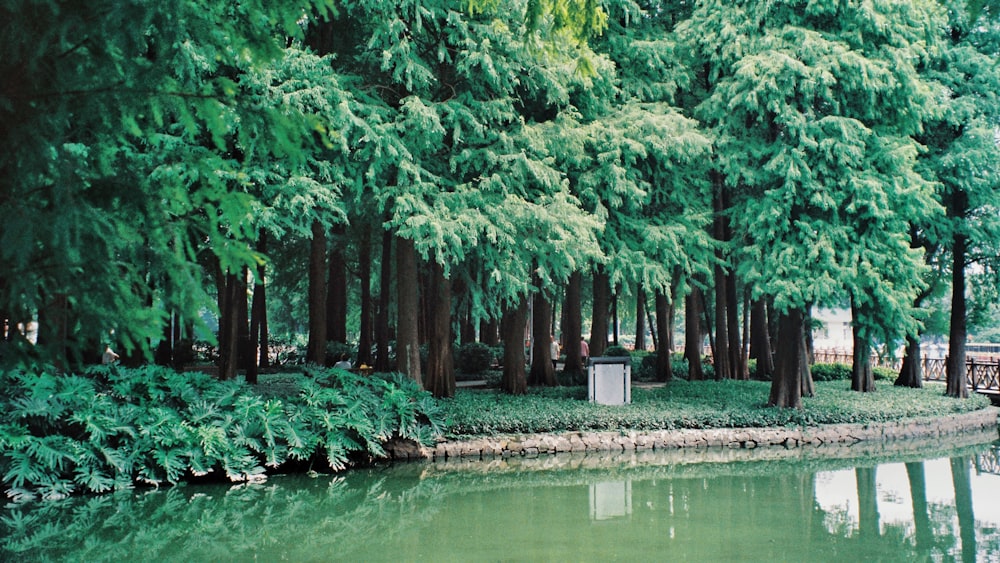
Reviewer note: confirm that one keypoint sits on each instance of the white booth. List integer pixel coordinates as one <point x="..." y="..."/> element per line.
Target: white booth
<point x="609" y="380"/>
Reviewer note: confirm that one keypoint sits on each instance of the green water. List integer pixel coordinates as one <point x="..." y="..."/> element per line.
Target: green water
<point x="914" y="501"/>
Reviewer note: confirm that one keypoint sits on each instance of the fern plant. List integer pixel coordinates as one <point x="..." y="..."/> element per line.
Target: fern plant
<point x="113" y="428"/>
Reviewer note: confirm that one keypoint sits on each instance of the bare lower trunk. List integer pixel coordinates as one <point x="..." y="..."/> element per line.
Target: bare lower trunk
<point x="382" y="360"/>
<point x="572" y="326"/>
<point x="640" y="318"/>
<point x="786" y="386"/>
<point x="316" y="348"/>
<point x="602" y="302"/>
<point x="693" y="335"/>
<point x="512" y="328"/>
<point x="367" y="316"/>
<point x="542" y="371"/>
<point x="440" y="377"/>
<point x="911" y="372"/>
<point x="862" y="377"/>
<point x="955" y="377"/>
<point x="720" y="356"/>
<point x="407" y="310"/>
<point x="664" y="360"/>
<point x="229" y="329"/>
<point x="760" y="341"/>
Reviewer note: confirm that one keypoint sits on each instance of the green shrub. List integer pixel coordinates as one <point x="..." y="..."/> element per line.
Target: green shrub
<point x="884" y="374"/>
<point x="617" y="352"/>
<point x="644" y="367"/>
<point x="473" y="358"/>
<point x="112" y="428"/>
<point x="830" y="372"/>
<point x="336" y="351"/>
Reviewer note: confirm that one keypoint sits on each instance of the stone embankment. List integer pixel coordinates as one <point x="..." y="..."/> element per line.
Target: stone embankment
<point x="742" y="438"/>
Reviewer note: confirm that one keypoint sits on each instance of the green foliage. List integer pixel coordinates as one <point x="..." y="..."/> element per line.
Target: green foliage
<point x="473" y="358"/>
<point x="113" y="428"/>
<point x="681" y="404"/>
<point x="618" y="351"/>
<point x="884" y="374"/>
<point x="830" y="372"/>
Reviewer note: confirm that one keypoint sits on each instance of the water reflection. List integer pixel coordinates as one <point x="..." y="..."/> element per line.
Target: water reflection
<point x="912" y="501"/>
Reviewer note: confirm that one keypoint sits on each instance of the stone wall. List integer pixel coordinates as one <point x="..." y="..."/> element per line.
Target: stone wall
<point x="737" y="438"/>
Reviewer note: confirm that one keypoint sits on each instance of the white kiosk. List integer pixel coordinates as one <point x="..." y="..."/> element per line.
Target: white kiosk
<point x="609" y="380"/>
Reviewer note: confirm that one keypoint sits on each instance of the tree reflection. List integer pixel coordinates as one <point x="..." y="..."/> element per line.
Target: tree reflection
<point x="960" y="478"/>
<point x="586" y="507"/>
<point x="923" y="534"/>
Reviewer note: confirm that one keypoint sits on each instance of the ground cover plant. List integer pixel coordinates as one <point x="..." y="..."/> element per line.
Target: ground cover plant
<point x="682" y="404"/>
<point x="114" y="428"/>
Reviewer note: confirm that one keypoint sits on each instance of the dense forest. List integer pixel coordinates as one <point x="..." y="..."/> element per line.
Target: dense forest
<point x="396" y="176"/>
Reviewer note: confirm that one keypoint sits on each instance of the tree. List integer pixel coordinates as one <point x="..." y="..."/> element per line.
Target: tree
<point x="962" y="157"/>
<point x="144" y="96"/>
<point x="821" y="158"/>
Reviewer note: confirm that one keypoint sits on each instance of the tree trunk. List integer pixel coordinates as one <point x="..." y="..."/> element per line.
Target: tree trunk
<point x="316" y="347"/>
<point x="640" y="317"/>
<point x="573" y="325"/>
<point x="664" y="353"/>
<point x="869" y="526"/>
<point x="720" y="355"/>
<point x="407" y="311"/>
<point x="440" y="377"/>
<point x="737" y="364"/>
<point x="542" y="372"/>
<point x="245" y="353"/>
<point x="911" y="372"/>
<point x="512" y="327"/>
<point x="599" y="323"/>
<point x="693" y="336"/>
<point x="365" y="328"/>
<point x="862" y="377"/>
<point x="962" y="483"/>
<point x="955" y="377"/>
<point x="229" y="329"/>
<point x="164" y="354"/>
<point x="382" y="360"/>
<point x="786" y="387"/>
<point x="923" y="532"/>
<point x="760" y="341"/>
<point x="258" y="312"/>
<point x="489" y="332"/>
<point x="614" y="317"/>
<point x="336" y="292"/>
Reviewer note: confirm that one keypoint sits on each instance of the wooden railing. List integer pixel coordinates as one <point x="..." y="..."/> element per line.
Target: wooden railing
<point x="981" y="374"/>
<point x="989" y="462"/>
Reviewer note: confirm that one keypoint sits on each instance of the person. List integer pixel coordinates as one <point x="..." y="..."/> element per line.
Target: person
<point x="584" y="351"/>
<point x="554" y="350"/>
<point x="343" y="363"/>
<point x="109" y="356"/>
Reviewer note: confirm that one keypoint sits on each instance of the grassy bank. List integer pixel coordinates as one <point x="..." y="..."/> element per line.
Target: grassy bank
<point x="682" y="404"/>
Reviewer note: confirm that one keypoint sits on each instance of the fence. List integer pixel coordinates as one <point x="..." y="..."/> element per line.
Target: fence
<point x="981" y="374"/>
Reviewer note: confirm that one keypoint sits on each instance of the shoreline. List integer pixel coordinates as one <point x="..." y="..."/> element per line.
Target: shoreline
<point x="531" y="445"/>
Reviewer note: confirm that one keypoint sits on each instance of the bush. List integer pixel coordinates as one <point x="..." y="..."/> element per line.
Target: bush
<point x="830" y="372"/>
<point x="617" y="352"/>
<point x="644" y="366"/>
<point x="336" y="351"/>
<point x="112" y="428"/>
<point x="884" y="374"/>
<point x="473" y="358"/>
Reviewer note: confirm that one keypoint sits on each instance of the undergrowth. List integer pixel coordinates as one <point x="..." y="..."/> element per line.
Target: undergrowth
<point x="112" y="428"/>
<point x="682" y="404"/>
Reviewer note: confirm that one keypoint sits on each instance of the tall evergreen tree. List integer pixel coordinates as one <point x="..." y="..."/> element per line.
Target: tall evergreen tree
<point x="813" y="105"/>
